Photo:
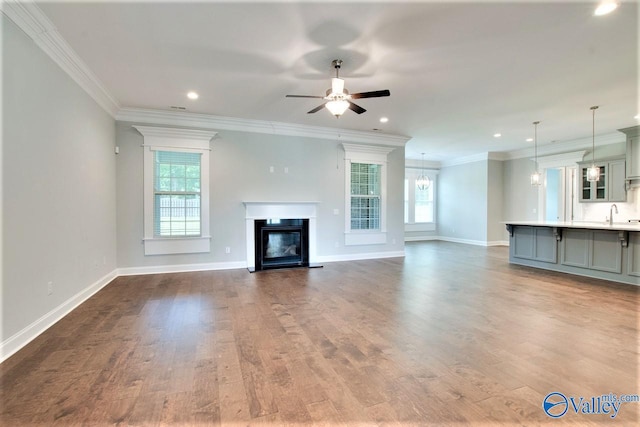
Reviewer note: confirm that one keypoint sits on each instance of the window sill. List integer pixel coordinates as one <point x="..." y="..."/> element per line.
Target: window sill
<point x="365" y="238"/>
<point x="177" y="245"/>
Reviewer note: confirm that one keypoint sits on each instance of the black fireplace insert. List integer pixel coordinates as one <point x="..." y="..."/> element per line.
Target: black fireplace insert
<point x="281" y="243"/>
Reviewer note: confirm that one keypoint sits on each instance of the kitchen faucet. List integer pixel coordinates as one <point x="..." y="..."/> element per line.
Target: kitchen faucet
<point x="611" y="213"/>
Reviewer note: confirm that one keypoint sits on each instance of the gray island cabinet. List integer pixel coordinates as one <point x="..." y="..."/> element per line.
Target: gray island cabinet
<point x="603" y="251"/>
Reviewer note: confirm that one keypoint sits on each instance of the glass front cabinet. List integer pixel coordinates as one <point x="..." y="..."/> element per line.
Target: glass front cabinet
<point x="610" y="187"/>
<point x="594" y="191"/>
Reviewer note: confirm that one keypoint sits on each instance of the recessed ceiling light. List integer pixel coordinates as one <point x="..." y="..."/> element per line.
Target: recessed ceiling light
<point x="605" y="7"/>
<point x="384" y="119"/>
<point x="497" y="135"/>
<point x="529" y="139"/>
<point x="637" y="117"/>
<point x="192" y="95"/>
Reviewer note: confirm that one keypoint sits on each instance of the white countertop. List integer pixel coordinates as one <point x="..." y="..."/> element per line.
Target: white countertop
<point x="617" y="226"/>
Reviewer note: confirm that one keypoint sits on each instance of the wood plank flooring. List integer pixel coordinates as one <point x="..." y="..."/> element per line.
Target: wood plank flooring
<point x="449" y="335"/>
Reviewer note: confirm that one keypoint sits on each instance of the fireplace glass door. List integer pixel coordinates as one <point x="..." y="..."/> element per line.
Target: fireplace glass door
<point x="281" y="246"/>
<point x="282" y="243"/>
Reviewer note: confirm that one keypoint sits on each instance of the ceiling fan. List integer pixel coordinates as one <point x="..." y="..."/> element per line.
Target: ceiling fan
<point x="338" y="99"/>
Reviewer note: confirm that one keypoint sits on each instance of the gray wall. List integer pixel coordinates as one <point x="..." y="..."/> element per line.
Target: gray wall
<point x="462" y="201"/>
<point x="618" y="149"/>
<point x="496" y="231"/>
<point x="471" y="202"/>
<point x="239" y="172"/>
<point x="58" y="193"/>
<point x="520" y="197"/>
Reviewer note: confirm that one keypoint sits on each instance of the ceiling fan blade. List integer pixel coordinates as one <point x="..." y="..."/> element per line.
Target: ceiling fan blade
<point x="318" y="108"/>
<point x="303" y="96"/>
<point x="373" y="94"/>
<point x="356" y="108"/>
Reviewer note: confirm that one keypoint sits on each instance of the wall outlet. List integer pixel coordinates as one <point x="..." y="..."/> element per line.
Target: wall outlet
<point x="286" y="169"/>
<point x="49" y="288"/>
<point x="271" y="169"/>
<point x="227" y="250"/>
<point x="336" y="211"/>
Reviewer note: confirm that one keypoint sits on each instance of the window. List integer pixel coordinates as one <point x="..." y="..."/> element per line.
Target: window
<point x="423" y="209"/>
<point x="176" y="190"/>
<point x="176" y="202"/>
<point x="365" y="197"/>
<point x="406" y="200"/>
<point x="419" y="205"/>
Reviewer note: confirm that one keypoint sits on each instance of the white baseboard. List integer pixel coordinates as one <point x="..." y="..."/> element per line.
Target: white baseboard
<point x="420" y="238"/>
<point x="456" y="240"/>
<point x="464" y="241"/>
<point x="473" y="242"/>
<point x="14" y="343"/>
<point x="359" y="256"/>
<point x="181" y="268"/>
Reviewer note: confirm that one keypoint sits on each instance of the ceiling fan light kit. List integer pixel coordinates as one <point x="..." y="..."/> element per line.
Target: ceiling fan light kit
<point x="338" y="98"/>
<point x="337" y="107"/>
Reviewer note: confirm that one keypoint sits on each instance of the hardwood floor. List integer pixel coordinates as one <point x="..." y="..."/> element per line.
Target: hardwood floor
<point x="451" y="334"/>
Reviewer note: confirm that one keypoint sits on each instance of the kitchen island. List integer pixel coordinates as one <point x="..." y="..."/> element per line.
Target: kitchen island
<point x="599" y="250"/>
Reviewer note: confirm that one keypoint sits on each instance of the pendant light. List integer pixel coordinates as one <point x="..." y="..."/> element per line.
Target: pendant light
<point x="536" y="177"/>
<point x="593" y="173"/>
<point x="423" y="182"/>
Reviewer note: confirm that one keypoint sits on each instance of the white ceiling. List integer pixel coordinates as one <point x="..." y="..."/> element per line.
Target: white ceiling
<point x="457" y="72"/>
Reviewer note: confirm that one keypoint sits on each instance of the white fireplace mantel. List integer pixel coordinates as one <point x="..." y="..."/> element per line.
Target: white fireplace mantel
<point x="279" y="210"/>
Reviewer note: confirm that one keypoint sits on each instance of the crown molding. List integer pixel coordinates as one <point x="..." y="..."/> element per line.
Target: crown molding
<point x="496" y="155"/>
<point x="207" y="121"/>
<point x="631" y="131"/>
<point x="567" y="146"/>
<point x="30" y="19"/>
<point x="559" y="160"/>
<point x="357" y="148"/>
<point x="176" y="133"/>
<point x="490" y="155"/>
<point x="419" y="164"/>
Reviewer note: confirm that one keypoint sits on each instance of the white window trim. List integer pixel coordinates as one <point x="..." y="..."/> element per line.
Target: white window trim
<point x="185" y="140"/>
<point x="357" y="153"/>
<point x="411" y="173"/>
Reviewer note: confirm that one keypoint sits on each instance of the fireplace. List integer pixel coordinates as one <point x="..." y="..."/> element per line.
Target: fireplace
<point x="259" y="212"/>
<point x="281" y="243"/>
